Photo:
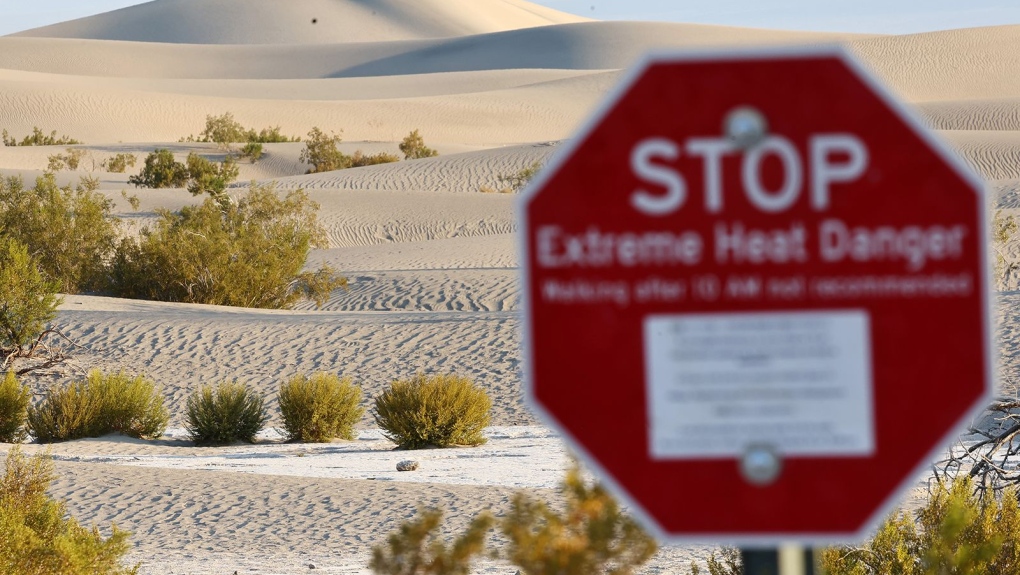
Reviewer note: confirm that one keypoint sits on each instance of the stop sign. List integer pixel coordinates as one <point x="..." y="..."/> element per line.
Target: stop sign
<point x="756" y="296"/>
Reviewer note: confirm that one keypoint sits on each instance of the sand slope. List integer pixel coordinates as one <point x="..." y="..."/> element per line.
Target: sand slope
<point x="290" y="22"/>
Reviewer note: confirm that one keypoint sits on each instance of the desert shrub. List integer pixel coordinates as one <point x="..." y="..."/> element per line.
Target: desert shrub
<point x="320" y="408"/>
<point x="248" y="253"/>
<point x="118" y="164"/>
<point x="225" y="130"/>
<point x="14" y="400"/>
<point x="956" y="532"/>
<point x="27" y="301"/>
<point x="440" y="411"/>
<point x="359" y="159"/>
<point x="98" y="405"/>
<point x="590" y="536"/>
<point x="252" y="151"/>
<point x="207" y="177"/>
<point x="519" y="180"/>
<point x="417" y="548"/>
<point x="270" y="135"/>
<point x="38" y="138"/>
<point x="161" y="170"/>
<point x="413" y="146"/>
<point x="322" y="153"/>
<point x="39" y="537"/>
<point x="224" y="414"/>
<point x="728" y="562"/>
<point x="69" y="161"/>
<point x="70" y="232"/>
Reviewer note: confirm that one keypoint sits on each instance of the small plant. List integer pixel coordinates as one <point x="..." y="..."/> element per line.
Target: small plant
<point x="413" y="146"/>
<point x="418" y="549"/>
<point x="252" y="151"/>
<point x="956" y="533"/>
<point x="38" y="138"/>
<point x="69" y="161"/>
<point x="320" y="408"/>
<point x="520" y="180"/>
<point x="119" y="163"/>
<point x="590" y="536"/>
<point x="161" y="170"/>
<point x="38" y="536"/>
<point x="322" y="153"/>
<point x="27" y="301"/>
<point x="728" y="562"/>
<point x="14" y="400"/>
<point x="359" y="159"/>
<point x="225" y="130"/>
<point x="70" y="232"/>
<point x="206" y="177"/>
<point x="433" y="411"/>
<point x="99" y="405"/>
<point x="224" y="414"/>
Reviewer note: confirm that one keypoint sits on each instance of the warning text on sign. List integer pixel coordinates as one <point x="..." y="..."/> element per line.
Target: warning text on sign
<point x="798" y="382"/>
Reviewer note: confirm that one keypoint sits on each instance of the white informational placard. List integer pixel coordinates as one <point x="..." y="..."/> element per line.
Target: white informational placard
<point x="797" y="383"/>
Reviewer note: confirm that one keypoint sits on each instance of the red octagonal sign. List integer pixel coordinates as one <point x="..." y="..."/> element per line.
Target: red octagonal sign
<point x="756" y="295"/>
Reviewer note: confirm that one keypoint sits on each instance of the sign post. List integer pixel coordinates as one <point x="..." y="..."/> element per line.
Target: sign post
<point x="740" y="279"/>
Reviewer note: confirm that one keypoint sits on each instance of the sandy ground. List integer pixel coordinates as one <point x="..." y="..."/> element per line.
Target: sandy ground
<point x="495" y="86"/>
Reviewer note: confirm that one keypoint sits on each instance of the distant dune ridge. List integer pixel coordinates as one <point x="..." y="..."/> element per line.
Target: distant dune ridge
<point x="495" y="86"/>
<point x="291" y="21"/>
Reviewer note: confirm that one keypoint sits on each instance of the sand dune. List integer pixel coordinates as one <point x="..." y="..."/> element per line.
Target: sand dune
<point x="991" y="114"/>
<point x="975" y="63"/>
<point x="291" y="22"/>
<point x="579" y="46"/>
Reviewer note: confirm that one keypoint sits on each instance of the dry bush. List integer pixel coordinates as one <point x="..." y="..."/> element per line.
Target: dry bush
<point x="39" y="537"/>
<point x="38" y="138"/>
<point x="225" y="414"/>
<point x="414" y="148"/>
<point x="69" y="161"/>
<point x="359" y="159"/>
<point x="590" y="536"/>
<point x="99" y="405"/>
<point x="433" y="411"/>
<point x="14" y="401"/>
<point x="320" y="408"/>
<point x="118" y="164"/>
<point x="956" y="532"/>
<point x="417" y="547"/>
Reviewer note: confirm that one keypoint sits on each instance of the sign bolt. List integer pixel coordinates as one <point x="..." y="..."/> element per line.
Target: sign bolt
<point x="745" y="126"/>
<point x="760" y="465"/>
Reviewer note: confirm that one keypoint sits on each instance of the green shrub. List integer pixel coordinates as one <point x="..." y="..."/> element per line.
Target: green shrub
<point x="70" y="232"/>
<point x="413" y="146"/>
<point x="252" y="151"/>
<point x="248" y="253"/>
<point x="518" y="181"/>
<point x="27" y="300"/>
<point x="119" y="163"/>
<point x="322" y="153"/>
<point x="225" y="130"/>
<point x="359" y="159"/>
<point x="206" y="177"/>
<point x="38" y="138"/>
<point x="320" y="408"/>
<point x="69" y="161"/>
<point x="14" y="400"/>
<point x="440" y="411"/>
<point x="39" y="537"/>
<point x="161" y="170"/>
<point x="99" y="405"/>
<point x="227" y="413"/>
<point x="956" y="533"/>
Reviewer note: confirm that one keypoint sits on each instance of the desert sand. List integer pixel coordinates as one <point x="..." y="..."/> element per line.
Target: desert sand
<point x="495" y="86"/>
